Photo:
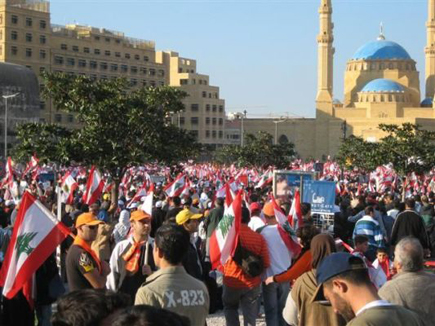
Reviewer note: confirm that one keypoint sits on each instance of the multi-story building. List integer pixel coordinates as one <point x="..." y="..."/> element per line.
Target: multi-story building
<point x="28" y="38"/>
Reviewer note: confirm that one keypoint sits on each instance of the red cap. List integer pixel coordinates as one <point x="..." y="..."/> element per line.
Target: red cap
<point x="255" y="207"/>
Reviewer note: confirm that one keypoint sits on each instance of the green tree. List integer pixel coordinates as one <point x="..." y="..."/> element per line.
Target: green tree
<point x="355" y="152"/>
<point x="119" y="127"/>
<point x="258" y="150"/>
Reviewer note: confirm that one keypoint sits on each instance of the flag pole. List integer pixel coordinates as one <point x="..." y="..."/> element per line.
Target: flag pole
<point x="59" y="218"/>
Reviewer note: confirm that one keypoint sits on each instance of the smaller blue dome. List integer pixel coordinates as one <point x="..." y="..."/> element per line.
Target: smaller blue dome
<point x="383" y="85"/>
<point x="427" y="102"/>
<point x="381" y="50"/>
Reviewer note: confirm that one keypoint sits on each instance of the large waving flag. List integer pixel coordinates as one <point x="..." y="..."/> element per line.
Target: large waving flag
<point x="32" y="165"/>
<point x="223" y="241"/>
<point x="295" y="214"/>
<point x="176" y="187"/>
<point x="68" y="186"/>
<point x="94" y="187"/>
<point x="285" y="230"/>
<point x="265" y="179"/>
<point x="147" y="205"/>
<point x="138" y="196"/>
<point x="8" y="180"/>
<point x="36" y="235"/>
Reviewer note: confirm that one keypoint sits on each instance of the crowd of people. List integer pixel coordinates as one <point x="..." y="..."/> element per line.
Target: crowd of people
<point x="127" y="265"/>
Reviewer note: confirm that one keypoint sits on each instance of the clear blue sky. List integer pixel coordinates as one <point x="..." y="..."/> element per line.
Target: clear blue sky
<point x="260" y="53"/>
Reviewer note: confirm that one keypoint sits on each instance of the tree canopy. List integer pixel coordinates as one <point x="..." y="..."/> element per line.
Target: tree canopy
<point x="119" y="127"/>
<point x="409" y="147"/>
<point x="258" y="150"/>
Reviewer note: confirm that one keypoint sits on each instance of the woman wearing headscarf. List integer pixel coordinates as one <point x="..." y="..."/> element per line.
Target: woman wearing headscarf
<point x="300" y="309"/>
<point x="121" y="229"/>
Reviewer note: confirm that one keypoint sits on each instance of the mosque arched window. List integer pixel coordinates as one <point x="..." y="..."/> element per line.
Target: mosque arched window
<point x="408" y="66"/>
<point x="390" y="66"/>
<point x="390" y="98"/>
<point x="399" y="65"/>
<point x="381" y="66"/>
<point x="372" y="66"/>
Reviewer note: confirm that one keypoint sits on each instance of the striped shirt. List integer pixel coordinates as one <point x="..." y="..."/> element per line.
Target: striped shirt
<point x="254" y="242"/>
<point x="369" y="227"/>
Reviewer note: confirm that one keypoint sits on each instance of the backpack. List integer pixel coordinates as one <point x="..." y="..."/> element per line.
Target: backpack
<point x="250" y="263"/>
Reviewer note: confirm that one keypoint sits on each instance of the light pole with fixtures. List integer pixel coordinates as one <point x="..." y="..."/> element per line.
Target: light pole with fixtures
<point x="6" y="97"/>
<point x="276" y="128"/>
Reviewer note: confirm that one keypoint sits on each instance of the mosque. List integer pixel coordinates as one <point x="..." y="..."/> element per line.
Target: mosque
<point x="381" y="86"/>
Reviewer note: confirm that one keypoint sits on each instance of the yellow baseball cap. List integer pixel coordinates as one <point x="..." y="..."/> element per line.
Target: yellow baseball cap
<point x="87" y="219"/>
<point x="138" y="215"/>
<point x="185" y="215"/>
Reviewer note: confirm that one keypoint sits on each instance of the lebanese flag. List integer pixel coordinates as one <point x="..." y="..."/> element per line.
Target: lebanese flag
<point x="94" y="187"/>
<point x="265" y="179"/>
<point x="32" y="165"/>
<point x="68" y="186"/>
<point x="285" y="230"/>
<point x="139" y="194"/>
<point x="223" y="241"/>
<point x="35" y="237"/>
<point x="295" y="214"/>
<point x="175" y="188"/>
<point x="147" y="205"/>
<point x="9" y="176"/>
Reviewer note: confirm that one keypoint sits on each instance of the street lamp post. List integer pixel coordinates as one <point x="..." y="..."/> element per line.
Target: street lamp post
<point x="6" y="97"/>
<point x="276" y="129"/>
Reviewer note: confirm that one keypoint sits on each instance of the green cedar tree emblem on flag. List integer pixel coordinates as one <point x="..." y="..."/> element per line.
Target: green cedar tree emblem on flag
<point x="177" y="185"/>
<point x="225" y="224"/>
<point x="23" y="243"/>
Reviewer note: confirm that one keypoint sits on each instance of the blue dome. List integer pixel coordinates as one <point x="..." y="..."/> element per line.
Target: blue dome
<point x="381" y="50"/>
<point x="383" y="85"/>
<point x="427" y="102"/>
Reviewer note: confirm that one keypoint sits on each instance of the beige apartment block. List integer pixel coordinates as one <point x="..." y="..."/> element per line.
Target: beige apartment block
<point x="205" y="110"/>
<point x="28" y="38"/>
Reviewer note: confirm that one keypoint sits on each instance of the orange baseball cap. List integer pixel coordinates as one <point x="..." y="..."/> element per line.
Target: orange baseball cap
<point x="138" y="215"/>
<point x="87" y="219"/>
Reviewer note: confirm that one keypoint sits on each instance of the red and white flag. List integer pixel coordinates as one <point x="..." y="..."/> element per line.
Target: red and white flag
<point x="147" y="205"/>
<point x="68" y="186"/>
<point x="36" y="235"/>
<point x="223" y="241"/>
<point x="8" y="180"/>
<point x="138" y="196"/>
<point x="32" y="165"/>
<point x="94" y="187"/>
<point x="265" y="179"/>
<point x="176" y="187"/>
<point x="295" y="214"/>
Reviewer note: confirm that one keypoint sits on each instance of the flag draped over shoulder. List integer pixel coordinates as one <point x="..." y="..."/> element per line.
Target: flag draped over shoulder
<point x="223" y="241"/>
<point x="36" y="235"/>
<point x="94" y="187"/>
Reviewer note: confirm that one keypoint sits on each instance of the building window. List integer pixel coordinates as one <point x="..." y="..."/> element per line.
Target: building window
<point x="107" y="53"/>
<point x="86" y="50"/>
<point x="221" y="134"/>
<point x="29" y="22"/>
<point x="118" y="54"/>
<point x="103" y="65"/>
<point x="58" y="60"/>
<point x="161" y="73"/>
<point x="28" y="52"/>
<point x="133" y="69"/>
<point x="75" y="48"/>
<point x="153" y="83"/>
<point x="180" y="70"/>
<point x="93" y="77"/>
<point x="194" y="120"/>
<point x="183" y="81"/>
<point x="194" y="107"/>
<point x="127" y="55"/>
<point x="214" y="108"/>
<point x="118" y="41"/>
<point x="113" y="67"/>
<point x="93" y="64"/>
<point x="96" y="38"/>
<point x="144" y="82"/>
<point x="42" y="39"/>
<point x="42" y="69"/>
<point x="182" y="120"/>
<point x="221" y="121"/>
<point x="207" y="134"/>
<point x="143" y="70"/>
<point x="82" y="63"/>
<point x="70" y="62"/>
<point x="207" y="121"/>
<point x="29" y="37"/>
<point x="64" y="47"/>
<point x="42" y="54"/>
<point x="204" y="94"/>
<point x="124" y="68"/>
<point x="152" y="72"/>
<point x="137" y="57"/>
<point x="107" y="39"/>
<point x="133" y="82"/>
<point x="194" y="133"/>
<point x="146" y="59"/>
<point x="103" y="77"/>
<point x="14" y="35"/>
<point x="213" y="133"/>
<point x="97" y="51"/>
<point x="221" y="108"/>
<point x="58" y="118"/>
<point x="214" y="121"/>
<point x="14" y="19"/>
<point x="207" y="107"/>
<point x="70" y="118"/>
<point x="42" y="24"/>
<point x="42" y="105"/>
